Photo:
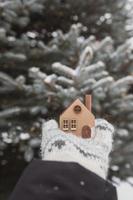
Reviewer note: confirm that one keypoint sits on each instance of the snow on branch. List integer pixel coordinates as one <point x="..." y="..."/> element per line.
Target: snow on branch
<point x="86" y="57"/>
<point x="62" y="69"/>
<point x="104" y="82"/>
<point x="121" y="86"/>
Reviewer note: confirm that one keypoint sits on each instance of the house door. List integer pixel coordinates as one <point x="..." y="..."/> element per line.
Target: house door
<point x="86" y="132"/>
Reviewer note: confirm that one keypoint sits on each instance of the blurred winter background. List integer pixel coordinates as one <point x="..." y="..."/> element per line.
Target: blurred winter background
<point x="51" y="52"/>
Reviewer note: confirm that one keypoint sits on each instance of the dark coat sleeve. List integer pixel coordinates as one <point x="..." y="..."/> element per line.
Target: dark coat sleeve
<point x="54" y="180"/>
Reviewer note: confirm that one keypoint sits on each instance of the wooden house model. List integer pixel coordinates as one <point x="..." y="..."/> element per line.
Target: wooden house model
<point x="78" y="118"/>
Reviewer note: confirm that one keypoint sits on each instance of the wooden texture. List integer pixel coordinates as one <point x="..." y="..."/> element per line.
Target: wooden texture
<point x="78" y="119"/>
<point x="88" y="102"/>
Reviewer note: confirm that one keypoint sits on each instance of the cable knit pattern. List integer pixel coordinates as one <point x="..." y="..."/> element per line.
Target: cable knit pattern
<point x="91" y="153"/>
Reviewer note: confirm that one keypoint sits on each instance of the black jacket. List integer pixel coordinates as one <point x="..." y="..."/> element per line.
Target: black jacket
<point x="53" y="180"/>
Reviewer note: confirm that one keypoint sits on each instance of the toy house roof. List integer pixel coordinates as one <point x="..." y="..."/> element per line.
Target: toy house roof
<point x="78" y="102"/>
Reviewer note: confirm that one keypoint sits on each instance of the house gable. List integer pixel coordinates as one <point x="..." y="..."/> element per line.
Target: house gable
<point x="70" y="111"/>
<point x="77" y="102"/>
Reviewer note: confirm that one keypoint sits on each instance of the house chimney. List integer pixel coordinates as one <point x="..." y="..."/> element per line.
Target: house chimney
<point x="88" y="102"/>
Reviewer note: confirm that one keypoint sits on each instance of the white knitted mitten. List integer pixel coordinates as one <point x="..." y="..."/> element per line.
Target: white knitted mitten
<point x="91" y="153"/>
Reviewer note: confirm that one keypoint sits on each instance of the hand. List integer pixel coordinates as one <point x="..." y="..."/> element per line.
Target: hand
<point x="92" y="153"/>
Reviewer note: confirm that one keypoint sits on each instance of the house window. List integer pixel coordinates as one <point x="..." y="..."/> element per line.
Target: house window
<point x="65" y="125"/>
<point x="77" y="109"/>
<point x="73" y="124"/>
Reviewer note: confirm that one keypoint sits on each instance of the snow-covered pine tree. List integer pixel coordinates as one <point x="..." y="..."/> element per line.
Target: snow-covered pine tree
<point x="26" y="44"/>
<point x="87" y="66"/>
<point x="26" y="25"/>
